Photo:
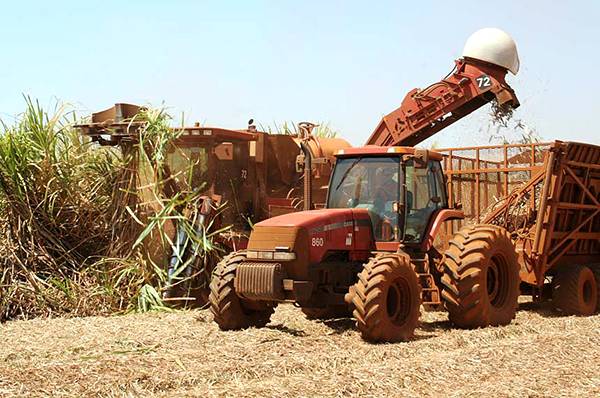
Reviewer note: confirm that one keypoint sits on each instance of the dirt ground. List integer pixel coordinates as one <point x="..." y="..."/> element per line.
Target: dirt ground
<point x="184" y="354"/>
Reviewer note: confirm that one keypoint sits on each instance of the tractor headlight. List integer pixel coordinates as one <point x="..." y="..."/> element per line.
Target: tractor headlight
<point x="265" y="255"/>
<point x="270" y="255"/>
<point x="284" y="256"/>
<point x="251" y="254"/>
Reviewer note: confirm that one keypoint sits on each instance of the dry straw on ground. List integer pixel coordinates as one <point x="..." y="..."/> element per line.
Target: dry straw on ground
<point x="184" y="354"/>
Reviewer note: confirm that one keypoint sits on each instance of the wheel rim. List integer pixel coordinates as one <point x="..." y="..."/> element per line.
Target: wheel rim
<point x="398" y="301"/>
<point x="497" y="280"/>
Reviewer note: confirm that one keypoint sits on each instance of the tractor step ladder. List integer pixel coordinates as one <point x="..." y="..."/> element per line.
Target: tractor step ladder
<point x="430" y="294"/>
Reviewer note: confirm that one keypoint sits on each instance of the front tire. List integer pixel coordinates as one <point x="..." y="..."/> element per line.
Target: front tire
<point x="229" y="311"/>
<point x="386" y="299"/>
<point x="481" y="277"/>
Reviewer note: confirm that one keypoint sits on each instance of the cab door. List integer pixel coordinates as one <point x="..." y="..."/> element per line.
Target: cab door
<point x="426" y="193"/>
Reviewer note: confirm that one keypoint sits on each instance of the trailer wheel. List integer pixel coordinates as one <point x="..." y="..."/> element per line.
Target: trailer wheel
<point x="481" y="277"/>
<point x="386" y="299"/>
<point x="330" y="312"/>
<point x="229" y="311"/>
<point x="596" y="271"/>
<point x="575" y="291"/>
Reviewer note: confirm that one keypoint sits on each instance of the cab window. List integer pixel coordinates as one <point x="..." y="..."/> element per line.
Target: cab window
<point x="370" y="183"/>
<point x="425" y="194"/>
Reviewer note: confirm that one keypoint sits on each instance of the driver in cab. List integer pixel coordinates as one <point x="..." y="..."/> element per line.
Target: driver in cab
<point x="387" y="192"/>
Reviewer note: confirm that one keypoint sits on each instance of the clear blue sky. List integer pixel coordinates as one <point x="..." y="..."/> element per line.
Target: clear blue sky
<point x="348" y="63"/>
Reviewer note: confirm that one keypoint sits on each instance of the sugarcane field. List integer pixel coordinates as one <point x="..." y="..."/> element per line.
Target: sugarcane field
<point x="252" y="199"/>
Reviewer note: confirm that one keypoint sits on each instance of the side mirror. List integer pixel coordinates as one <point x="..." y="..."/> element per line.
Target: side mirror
<point x="421" y="158"/>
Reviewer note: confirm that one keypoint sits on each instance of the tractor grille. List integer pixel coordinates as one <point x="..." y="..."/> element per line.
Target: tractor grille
<point x="259" y="281"/>
<point x="266" y="238"/>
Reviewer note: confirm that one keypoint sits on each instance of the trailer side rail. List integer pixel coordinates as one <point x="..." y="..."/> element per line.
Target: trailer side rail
<point x="546" y="195"/>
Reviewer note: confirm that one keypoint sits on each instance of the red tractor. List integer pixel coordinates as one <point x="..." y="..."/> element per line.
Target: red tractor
<point x="371" y="250"/>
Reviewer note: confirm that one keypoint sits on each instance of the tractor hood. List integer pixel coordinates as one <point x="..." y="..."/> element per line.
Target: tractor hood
<point x="287" y="229"/>
<point x="308" y="219"/>
<point x="314" y="234"/>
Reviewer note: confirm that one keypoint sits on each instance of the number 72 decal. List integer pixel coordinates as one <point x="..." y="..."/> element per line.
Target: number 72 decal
<point x="484" y="81"/>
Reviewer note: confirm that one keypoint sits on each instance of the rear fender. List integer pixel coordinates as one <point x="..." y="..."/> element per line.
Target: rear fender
<point x="436" y="223"/>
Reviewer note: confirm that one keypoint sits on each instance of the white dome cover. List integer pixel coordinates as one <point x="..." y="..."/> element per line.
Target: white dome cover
<point x="494" y="46"/>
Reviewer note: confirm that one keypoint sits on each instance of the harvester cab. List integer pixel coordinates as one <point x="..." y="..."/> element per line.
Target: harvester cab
<point x="242" y="176"/>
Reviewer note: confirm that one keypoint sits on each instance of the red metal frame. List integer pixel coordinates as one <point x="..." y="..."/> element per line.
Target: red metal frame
<point x="423" y="113"/>
<point x="387" y="151"/>
<point x="548" y="199"/>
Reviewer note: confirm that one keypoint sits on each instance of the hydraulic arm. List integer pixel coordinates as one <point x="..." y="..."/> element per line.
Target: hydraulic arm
<point x="471" y="84"/>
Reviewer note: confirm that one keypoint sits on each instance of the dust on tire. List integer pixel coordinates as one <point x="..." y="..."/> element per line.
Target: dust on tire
<point x="575" y="290"/>
<point x="481" y="277"/>
<point x="386" y="299"/>
<point x="229" y="311"/>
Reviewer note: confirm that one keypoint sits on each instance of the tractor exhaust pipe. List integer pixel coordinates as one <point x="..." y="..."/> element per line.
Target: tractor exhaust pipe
<point x="307" y="175"/>
<point x="305" y="130"/>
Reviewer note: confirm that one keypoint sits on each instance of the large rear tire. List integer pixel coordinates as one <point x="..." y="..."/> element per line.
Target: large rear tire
<point x="386" y="299"/>
<point x="575" y="291"/>
<point x="481" y="277"/>
<point x="230" y="312"/>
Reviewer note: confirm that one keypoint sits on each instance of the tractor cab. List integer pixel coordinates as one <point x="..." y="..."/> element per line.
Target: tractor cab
<point x="400" y="187"/>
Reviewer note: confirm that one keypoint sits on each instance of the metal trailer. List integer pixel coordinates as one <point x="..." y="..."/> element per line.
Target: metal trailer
<point x="547" y="196"/>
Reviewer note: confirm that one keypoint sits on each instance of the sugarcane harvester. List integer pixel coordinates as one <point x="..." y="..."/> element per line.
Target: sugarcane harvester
<point x="242" y="177"/>
<point x="371" y="251"/>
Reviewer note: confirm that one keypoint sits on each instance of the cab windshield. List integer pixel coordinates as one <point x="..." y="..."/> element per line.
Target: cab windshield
<point x="374" y="183"/>
<point x="189" y="166"/>
<point x="370" y="183"/>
